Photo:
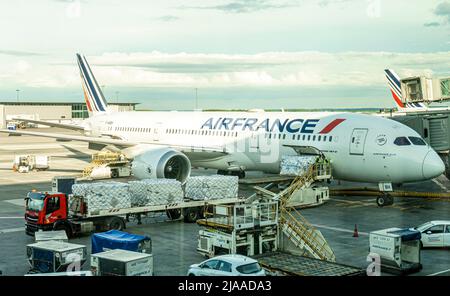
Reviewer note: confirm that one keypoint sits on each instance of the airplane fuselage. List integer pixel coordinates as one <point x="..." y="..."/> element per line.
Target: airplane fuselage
<point x="360" y="147"/>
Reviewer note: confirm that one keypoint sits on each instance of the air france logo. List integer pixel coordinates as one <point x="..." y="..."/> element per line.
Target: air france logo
<point x="292" y="126"/>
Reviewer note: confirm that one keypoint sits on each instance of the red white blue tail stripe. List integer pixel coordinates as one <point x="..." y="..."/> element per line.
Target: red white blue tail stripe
<point x="95" y="101"/>
<point x="396" y="90"/>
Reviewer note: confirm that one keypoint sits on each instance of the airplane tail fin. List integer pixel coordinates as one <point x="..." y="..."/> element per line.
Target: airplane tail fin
<point x="95" y="101"/>
<point x="396" y="91"/>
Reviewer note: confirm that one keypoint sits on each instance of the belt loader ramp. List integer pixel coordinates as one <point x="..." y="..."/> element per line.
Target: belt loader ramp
<point x="258" y="226"/>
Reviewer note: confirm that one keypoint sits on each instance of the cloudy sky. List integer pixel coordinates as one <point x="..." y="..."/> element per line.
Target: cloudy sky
<point x="238" y="54"/>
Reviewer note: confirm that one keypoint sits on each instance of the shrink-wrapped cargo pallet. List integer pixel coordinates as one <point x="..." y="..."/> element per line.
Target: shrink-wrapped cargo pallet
<point x="211" y="187"/>
<point x="152" y="192"/>
<point x="296" y="165"/>
<point x="104" y="195"/>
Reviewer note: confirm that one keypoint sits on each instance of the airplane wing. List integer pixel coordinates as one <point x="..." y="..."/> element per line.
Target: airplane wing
<point x="211" y="152"/>
<point x="98" y="140"/>
<point x="53" y="124"/>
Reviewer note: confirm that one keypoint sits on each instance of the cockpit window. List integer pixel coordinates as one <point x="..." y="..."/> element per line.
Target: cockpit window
<point x="402" y="141"/>
<point x="417" y="141"/>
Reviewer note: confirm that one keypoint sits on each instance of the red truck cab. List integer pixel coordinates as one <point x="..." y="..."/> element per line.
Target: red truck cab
<point x="45" y="211"/>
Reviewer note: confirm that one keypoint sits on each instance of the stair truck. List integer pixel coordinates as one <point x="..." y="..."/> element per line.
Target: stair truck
<point x="51" y="211"/>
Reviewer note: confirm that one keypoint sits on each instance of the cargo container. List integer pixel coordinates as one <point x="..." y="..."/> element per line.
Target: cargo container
<point x="122" y="263"/>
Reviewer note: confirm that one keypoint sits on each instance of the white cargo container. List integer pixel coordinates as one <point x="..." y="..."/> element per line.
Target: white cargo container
<point x="399" y="249"/>
<point x="55" y="235"/>
<point x="122" y="263"/>
<point x="54" y="256"/>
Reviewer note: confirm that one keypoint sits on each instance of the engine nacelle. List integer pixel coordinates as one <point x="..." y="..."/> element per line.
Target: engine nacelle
<point x="161" y="163"/>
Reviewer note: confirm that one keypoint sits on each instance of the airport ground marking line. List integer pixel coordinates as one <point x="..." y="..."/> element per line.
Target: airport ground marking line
<point x="338" y="229"/>
<point x="10" y="230"/>
<point x="11" y="217"/>
<point x="438" y="273"/>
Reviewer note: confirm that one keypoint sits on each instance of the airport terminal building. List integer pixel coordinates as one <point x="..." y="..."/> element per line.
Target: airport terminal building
<point x="52" y="111"/>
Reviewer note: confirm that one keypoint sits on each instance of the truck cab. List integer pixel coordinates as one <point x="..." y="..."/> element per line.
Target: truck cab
<point x="44" y="210"/>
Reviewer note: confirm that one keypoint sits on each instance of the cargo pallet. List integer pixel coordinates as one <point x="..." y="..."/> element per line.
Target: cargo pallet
<point x="296" y="265"/>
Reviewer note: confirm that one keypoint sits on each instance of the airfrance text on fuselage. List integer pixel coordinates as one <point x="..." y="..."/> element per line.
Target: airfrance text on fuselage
<point x="254" y="124"/>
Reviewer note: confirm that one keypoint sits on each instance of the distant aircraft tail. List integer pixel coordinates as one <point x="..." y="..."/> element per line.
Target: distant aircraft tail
<point x="95" y="101"/>
<point x="396" y="90"/>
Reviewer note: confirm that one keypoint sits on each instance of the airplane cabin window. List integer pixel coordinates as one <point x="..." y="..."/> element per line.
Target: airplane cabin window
<point x="324" y="138"/>
<point x="402" y="141"/>
<point x="319" y="138"/>
<point x="304" y="137"/>
<point x="417" y="141"/>
<point x="314" y="138"/>
<point x="331" y="138"/>
<point x="309" y="137"/>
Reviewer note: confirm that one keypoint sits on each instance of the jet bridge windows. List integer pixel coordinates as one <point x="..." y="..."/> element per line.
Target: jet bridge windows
<point x="402" y="141"/>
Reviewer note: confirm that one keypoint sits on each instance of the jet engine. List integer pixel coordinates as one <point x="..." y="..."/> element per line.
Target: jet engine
<point x="161" y="163"/>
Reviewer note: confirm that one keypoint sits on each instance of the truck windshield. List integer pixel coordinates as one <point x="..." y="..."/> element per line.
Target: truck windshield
<point x="35" y="201"/>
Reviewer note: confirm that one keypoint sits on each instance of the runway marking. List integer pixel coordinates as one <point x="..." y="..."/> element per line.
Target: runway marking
<point x="11" y="217"/>
<point x="438" y="273"/>
<point x="10" y="230"/>
<point x="339" y="229"/>
<point x="17" y="202"/>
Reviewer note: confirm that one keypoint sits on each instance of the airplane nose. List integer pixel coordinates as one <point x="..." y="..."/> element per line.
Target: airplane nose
<point x="432" y="166"/>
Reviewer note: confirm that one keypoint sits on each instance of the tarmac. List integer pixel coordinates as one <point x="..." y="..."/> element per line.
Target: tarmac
<point x="175" y="242"/>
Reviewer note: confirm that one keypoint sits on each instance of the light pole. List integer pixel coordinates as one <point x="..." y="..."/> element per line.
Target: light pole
<point x="17" y="92"/>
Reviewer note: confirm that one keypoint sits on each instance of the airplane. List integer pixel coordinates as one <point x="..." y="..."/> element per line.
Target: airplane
<point x="394" y="83"/>
<point x="360" y="147"/>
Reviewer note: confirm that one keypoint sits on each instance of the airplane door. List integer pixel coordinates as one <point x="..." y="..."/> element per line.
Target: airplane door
<point x="357" y="141"/>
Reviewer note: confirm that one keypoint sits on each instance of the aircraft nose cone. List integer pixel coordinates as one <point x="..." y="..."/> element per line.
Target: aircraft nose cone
<point x="433" y="166"/>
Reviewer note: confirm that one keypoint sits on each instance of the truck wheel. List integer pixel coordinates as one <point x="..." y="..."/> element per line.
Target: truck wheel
<point x="191" y="215"/>
<point x="116" y="223"/>
<point x="114" y="174"/>
<point x="174" y="214"/>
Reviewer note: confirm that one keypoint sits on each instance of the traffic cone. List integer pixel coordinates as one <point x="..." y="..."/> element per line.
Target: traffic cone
<point x="355" y="232"/>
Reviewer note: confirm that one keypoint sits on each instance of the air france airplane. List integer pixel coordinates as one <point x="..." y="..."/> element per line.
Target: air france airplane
<point x="167" y="144"/>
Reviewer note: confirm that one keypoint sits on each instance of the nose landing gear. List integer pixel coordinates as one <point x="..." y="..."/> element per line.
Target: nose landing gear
<point x="385" y="199"/>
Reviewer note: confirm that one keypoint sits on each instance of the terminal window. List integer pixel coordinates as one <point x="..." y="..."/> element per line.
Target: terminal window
<point x="79" y="111"/>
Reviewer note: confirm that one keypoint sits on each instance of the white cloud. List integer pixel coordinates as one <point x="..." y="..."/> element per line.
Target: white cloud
<point x="158" y="69"/>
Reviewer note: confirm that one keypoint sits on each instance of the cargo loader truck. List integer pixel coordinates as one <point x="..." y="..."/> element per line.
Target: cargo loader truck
<point x="60" y="211"/>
